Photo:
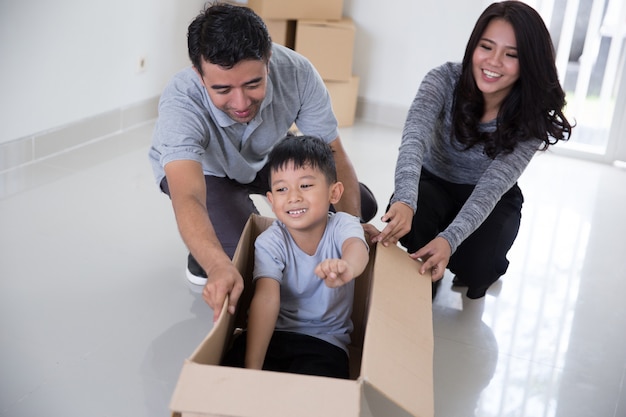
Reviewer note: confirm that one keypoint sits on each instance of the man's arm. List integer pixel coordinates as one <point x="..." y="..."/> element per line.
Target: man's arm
<point x="262" y="321"/>
<point x="351" y="199"/>
<point x="188" y="193"/>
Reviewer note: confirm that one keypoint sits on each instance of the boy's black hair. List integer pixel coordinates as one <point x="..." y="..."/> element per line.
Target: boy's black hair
<point x="303" y="151"/>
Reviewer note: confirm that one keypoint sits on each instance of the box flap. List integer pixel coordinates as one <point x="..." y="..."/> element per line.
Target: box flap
<point x="398" y="346"/>
<point x="214" y="344"/>
<point x="376" y="404"/>
<point x="218" y="391"/>
<point x="211" y="349"/>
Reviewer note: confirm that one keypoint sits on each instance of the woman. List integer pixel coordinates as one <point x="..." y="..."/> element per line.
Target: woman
<point x="471" y="131"/>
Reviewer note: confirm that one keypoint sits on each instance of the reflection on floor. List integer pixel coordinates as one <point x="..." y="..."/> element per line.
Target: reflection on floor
<point x="96" y="315"/>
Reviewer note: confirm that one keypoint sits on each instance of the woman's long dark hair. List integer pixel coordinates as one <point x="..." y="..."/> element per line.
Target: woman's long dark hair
<point x="534" y="107"/>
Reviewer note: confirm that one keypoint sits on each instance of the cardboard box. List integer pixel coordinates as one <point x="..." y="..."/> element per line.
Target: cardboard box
<point x="297" y="9"/>
<point x="344" y="95"/>
<point x="391" y="355"/>
<point x="282" y="31"/>
<point x="328" y="45"/>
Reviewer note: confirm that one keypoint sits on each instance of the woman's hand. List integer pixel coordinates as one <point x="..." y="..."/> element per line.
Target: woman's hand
<point x="399" y="218"/>
<point x="435" y="255"/>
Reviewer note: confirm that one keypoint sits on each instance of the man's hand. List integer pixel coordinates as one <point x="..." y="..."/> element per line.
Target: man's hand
<point x="188" y="193"/>
<point x="436" y="255"/>
<point x="223" y="279"/>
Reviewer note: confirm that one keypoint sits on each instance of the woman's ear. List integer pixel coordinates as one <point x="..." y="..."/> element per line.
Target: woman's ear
<point x="336" y="191"/>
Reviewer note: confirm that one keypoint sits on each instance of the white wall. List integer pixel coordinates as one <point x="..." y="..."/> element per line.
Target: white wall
<point x="398" y="41"/>
<point x="66" y="60"/>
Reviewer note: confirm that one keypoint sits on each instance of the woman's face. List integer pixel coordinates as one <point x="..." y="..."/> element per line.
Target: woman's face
<point x="495" y="65"/>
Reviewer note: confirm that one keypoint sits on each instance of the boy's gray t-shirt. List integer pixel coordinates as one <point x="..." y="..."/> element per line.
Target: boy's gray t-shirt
<point x="190" y="127"/>
<point x="307" y="305"/>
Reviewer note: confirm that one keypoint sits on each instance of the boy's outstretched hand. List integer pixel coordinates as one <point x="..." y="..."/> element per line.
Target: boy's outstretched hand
<point x="334" y="272"/>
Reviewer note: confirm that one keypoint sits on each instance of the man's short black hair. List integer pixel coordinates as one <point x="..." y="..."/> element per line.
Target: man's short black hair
<point x="225" y="34"/>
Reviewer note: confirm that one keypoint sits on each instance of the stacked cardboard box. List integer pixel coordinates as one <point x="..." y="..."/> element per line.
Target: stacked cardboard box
<point x="329" y="45"/>
<point x="390" y="355"/>
<point x="317" y="30"/>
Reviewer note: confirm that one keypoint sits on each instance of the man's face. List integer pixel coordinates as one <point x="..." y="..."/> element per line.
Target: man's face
<point x="237" y="91"/>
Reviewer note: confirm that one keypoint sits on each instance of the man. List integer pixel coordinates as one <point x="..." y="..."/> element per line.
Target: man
<point x="218" y="121"/>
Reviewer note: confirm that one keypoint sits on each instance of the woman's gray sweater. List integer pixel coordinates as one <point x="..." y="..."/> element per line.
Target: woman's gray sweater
<point x="426" y="142"/>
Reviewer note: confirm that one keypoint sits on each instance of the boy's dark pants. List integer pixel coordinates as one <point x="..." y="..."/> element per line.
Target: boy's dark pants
<point x="295" y="353"/>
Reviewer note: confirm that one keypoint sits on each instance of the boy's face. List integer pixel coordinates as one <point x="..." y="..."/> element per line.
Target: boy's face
<point x="300" y="197"/>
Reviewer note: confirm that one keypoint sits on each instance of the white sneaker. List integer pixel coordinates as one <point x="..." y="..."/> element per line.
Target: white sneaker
<point x="194" y="279"/>
<point x="195" y="273"/>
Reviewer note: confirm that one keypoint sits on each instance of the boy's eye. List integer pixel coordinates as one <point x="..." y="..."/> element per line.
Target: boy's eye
<point x="306" y="185"/>
<point x="280" y="190"/>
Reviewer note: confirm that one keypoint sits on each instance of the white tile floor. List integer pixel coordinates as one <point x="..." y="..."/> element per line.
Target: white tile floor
<point x="96" y="316"/>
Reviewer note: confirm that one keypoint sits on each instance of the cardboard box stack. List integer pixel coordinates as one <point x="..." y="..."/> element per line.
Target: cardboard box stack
<point x="317" y="30"/>
<point x="391" y="352"/>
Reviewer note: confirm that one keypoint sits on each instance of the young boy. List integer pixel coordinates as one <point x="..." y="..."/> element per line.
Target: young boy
<point x="305" y="264"/>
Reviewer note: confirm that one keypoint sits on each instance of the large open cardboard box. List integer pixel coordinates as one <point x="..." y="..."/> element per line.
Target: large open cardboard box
<point x="391" y="353"/>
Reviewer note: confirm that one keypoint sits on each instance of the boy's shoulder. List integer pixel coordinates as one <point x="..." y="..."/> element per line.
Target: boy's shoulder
<point x="274" y="229"/>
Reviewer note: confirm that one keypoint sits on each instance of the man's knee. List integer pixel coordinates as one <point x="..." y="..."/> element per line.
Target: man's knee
<point x="369" y="206"/>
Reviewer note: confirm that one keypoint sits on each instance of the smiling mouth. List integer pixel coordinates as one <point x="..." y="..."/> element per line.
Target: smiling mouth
<point x="491" y="74"/>
<point x="296" y="212"/>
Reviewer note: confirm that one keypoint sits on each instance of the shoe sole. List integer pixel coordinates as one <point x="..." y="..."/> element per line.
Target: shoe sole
<point x="196" y="280"/>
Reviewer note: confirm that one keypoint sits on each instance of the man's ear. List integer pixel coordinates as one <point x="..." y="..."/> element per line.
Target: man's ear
<point x="267" y="63"/>
<point x="336" y="191"/>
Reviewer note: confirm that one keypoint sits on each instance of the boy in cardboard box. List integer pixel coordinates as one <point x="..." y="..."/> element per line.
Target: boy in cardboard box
<point x="305" y="265"/>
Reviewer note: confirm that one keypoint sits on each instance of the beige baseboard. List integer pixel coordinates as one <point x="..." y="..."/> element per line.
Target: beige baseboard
<point x="380" y="113"/>
<point x="42" y="145"/>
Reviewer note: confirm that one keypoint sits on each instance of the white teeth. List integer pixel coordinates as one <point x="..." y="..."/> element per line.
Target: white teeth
<point x="297" y="211"/>
<point x="491" y="74"/>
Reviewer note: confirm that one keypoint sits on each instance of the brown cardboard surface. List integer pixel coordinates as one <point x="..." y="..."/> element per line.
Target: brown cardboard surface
<point x="282" y="31"/>
<point x="344" y="95"/>
<point x="392" y="377"/>
<point x="297" y="9"/>
<point x="329" y="45"/>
